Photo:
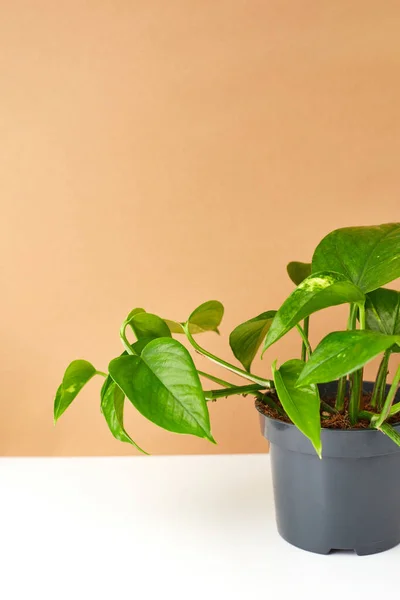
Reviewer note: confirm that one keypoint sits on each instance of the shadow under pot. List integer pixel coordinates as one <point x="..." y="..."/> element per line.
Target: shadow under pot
<point x="349" y="500"/>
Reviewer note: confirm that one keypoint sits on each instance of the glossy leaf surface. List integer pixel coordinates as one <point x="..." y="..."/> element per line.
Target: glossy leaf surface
<point x="112" y="407"/>
<point x="367" y="256"/>
<point x="298" y="271"/>
<point x="246" y="338"/>
<point x="77" y="374"/>
<point x="164" y="386"/>
<point x="147" y="325"/>
<point x="302" y="405"/>
<point x="318" y="291"/>
<point x="383" y="312"/>
<point x="343" y="352"/>
<point x="206" y="317"/>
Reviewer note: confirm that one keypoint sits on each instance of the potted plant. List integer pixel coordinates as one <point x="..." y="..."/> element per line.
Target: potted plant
<point x="315" y="407"/>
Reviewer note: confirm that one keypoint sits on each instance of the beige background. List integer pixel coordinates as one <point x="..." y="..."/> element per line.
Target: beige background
<point x="161" y="154"/>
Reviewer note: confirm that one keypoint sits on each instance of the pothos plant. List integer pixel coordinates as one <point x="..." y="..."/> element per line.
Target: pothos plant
<point x="156" y="373"/>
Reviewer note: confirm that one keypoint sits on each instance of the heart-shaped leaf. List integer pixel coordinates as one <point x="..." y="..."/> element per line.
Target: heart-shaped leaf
<point x="164" y="386"/>
<point x="302" y="408"/>
<point x="206" y="317"/>
<point x="175" y="326"/>
<point x="246" y="338"/>
<point x="77" y="374"/>
<point x="134" y="311"/>
<point x="383" y="312"/>
<point x="343" y="352"/>
<point x="147" y="325"/>
<point x="367" y="256"/>
<point x="112" y="407"/>
<point x="315" y="293"/>
<point x="298" y="271"/>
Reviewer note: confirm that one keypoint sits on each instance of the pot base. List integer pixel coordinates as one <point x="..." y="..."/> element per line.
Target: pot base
<point x="365" y="550"/>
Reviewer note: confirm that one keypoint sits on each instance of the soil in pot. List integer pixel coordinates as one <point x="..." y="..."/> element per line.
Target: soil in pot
<point x="329" y="418"/>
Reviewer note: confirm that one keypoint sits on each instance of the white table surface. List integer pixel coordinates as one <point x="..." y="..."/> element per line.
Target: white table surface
<point x="162" y="527"/>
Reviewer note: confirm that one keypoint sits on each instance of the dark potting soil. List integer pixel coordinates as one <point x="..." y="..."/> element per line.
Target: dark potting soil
<point x="328" y="420"/>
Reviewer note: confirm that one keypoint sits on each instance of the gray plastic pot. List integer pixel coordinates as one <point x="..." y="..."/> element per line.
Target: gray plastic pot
<point x="349" y="500"/>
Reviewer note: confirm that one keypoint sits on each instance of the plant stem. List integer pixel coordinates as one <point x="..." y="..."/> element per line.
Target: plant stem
<point x="266" y="399"/>
<point x="306" y="328"/>
<point x="355" y="395"/>
<point x="124" y="339"/>
<point x="366" y="414"/>
<point x="361" y="315"/>
<point x="232" y="391"/>
<point x="242" y="390"/>
<point x="389" y="400"/>
<point x="351" y="323"/>
<point x="216" y="379"/>
<point x="328" y="408"/>
<point x="304" y="337"/>
<point x="265" y="383"/>
<point x="341" y="391"/>
<point x="356" y="378"/>
<point x="101" y="373"/>
<point x="395" y="409"/>
<point x="390" y="432"/>
<point x="380" y="383"/>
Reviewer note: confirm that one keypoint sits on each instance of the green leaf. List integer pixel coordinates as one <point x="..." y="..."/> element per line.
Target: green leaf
<point x="205" y="317"/>
<point x="175" y="327"/>
<point x="343" y="352"/>
<point x="298" y="271"/>
<point x="112" y="407"/>
<point x="383" y="312"/>
<point x="318" y="291"/>
<point x="301" y="405"/>
<point x="367" y="256"/>
<point x="246" y="338"/>
<point x="164" y="386"/>
<point x="141" y="344"/>
<point x="147" y="325"/>
<point x="134" y="311"/>
<point x="77" y="374"/>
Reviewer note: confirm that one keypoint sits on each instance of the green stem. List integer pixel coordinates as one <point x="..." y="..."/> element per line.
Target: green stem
<point x="328" y="408"/>
<point x="389" y="400"/>
<point x="395" y="409"/>
<point x="355" y="395"/>
<point x="243" y="390"/>
<point x="366" y="414"/>
<point x="265" y="383"/>
<point x="351" y="323"/>
<point x="390" y="432"/>
<point x="341" y="391"/>
<point x="232" y="391"/>
<point x="361" y="314"/>
<point x="102" y="373"/>
<point x="306" y="328"/>
<point x="216" y="379"/>
<point x="304" y="337"/>
<point x="380" y="383"/>
<point x="356" y="378"/>
<point x="124" y="339"/>
<point x="266" y="398"/>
